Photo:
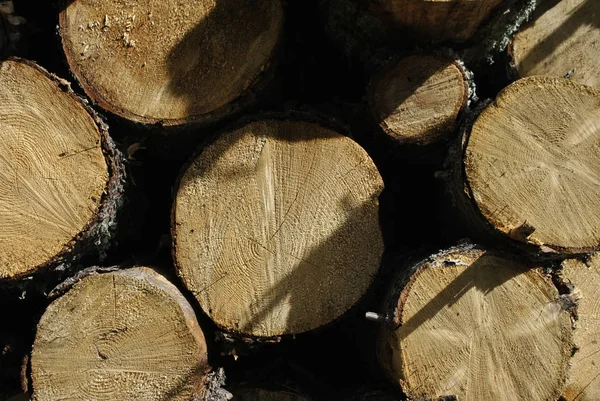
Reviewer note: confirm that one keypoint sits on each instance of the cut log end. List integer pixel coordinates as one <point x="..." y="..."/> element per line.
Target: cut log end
<point x="127" y="335"/>
<point x="169" y="63"/>
<point x="561" y="40"/>
<point x="54" y="173"/>
<point x="584" y="383"/>
<point x="478" y="326"/>
<point x="455" y="20"/>
<point x="276" y="227"/>
<point x="418" y="99"/>
<point x="533" y="165"/>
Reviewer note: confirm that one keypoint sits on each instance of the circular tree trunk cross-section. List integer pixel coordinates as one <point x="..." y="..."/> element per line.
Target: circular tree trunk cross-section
<point x="562" y="40"/>
<point x="418" y="99"/>
<point x="127" y="335"/>
<point x="53" y="173"/>
<point x="478" y="326"/>
<point x="533" y="164"/>
<point x="276" y="227"/>
<point x="584" y="377"/>
<point x="156" y="61"/>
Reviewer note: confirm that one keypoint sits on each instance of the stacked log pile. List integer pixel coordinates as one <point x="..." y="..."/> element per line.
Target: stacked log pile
<point x="321" y="200"/>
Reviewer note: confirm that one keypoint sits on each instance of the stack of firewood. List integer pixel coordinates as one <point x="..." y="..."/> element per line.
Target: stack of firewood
<point x="233" y="187"/>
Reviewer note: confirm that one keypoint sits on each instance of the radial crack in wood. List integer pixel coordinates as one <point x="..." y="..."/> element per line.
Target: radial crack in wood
<point x="53" y="173"/>
<point x="478" y="326"/>
<point x="169" y="62"/>
<point x="276" y="227"/>
<point x="584" y="378"/>
<point x="418" y="99"/>
<point x="562" y="40"/>
<point x="532" y="164"/>
<point x="126" y="335"/>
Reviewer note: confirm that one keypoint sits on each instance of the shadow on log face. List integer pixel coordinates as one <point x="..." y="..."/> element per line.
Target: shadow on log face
<point x="585" y="14"/>
<point x="475" y="276"/>
<point x="222" y="56"/>
<point x="295" y="239"/>
<point x="307" y="294"/>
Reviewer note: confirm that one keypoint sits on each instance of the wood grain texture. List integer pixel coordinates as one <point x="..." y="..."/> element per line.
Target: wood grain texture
<point x="53" y="173"/>
<point x="418" y="99"/>
<point x="126" y="335"/>
<point x="276" y="227"/>
<point x="563" y="39"/>
<point x="584" y="377"/>
<point x="476" y="325"/>
<point x="455" y="20"/>
<point x="169" y="62"/>
<point x="532" y="164"/>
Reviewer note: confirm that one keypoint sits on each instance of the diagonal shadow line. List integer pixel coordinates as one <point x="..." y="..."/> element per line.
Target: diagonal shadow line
<point x="584" y="14"/>
<point x="471" y="277"/>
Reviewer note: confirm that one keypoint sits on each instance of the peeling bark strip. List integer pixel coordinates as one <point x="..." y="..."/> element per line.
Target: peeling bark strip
<point x="124" y="335"/>
<point x="275" y="227"/>
<point x="61" y="177"/>
<point x="417" y="99"/>
<point x="171" y="63"/>
<point x="584" y="377"/>
<point x="477" y="325"/>
<point x="563" y="40"/>
<point x="532" y="165"/>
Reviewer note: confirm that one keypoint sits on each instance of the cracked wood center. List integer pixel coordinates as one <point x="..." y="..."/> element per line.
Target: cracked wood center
<point x="276" y="227"/>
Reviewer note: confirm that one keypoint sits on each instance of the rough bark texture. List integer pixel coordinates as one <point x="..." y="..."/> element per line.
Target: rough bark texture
<point x="171" y="64"/>
<point x="126" y="335"/>
<point x="584" y="377"/>
<point x="476" y="325"/>
<point x="287" y="211"/>
<point x="29" y="182"/>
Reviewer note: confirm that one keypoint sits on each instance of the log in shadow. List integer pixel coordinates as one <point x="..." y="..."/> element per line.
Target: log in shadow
<point x="585" y="14"/>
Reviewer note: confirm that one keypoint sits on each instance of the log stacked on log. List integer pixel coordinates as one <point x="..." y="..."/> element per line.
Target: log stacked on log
<point x="584" y="278"/>
<point x="455" y="20"/>
<point x="124" y="335"/>
<point x="275" y="227"/>
<point x="563" y="40"/>
<point x="532" y="165"/>
<point x="417" y="100"/>
<point x="60" y="173"/>
<point x="275" y="224"/>
<point x="158" y="62"/>
<point x="479" y="326"/>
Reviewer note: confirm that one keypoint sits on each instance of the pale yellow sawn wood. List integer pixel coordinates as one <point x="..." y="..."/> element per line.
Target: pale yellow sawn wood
<point x="276" y="227"/>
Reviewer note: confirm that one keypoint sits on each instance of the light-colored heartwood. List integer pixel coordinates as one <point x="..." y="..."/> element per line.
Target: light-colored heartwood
<point x="418" y="99"/>
<point x="533" y="164"/>
<point x="480" y="327"/>
<point x="276" y="227"/>
<point x="127" y="335"/>
<point x="52" y="169"/>
<point x="562" y="40"/>
<point x="168" y="61"/>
